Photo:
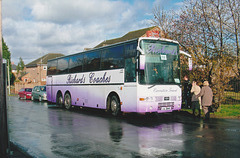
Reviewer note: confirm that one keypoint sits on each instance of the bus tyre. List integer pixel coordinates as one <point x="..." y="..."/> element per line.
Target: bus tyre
<point x="115" y="106"/>
<point x="67" y="101"/>
<point x="60" y="101"/>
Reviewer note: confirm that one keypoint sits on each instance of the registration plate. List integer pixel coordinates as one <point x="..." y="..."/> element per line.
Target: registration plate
<point x="165" y="108"/>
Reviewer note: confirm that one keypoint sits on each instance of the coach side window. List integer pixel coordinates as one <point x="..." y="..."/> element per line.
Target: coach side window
<point x="130" y="62"/>
<point x="130" y="50"/>
<point x="91" y="61"/>
<point x="112" y="58"/>
<point x="130" y="69"/>
<point x="76" y="63"/>
<point x="52" y="67"/>
<point x="62" y="65"/>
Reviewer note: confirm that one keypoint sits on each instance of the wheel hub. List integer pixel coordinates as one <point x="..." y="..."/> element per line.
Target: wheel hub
<point x="113" y="105"/>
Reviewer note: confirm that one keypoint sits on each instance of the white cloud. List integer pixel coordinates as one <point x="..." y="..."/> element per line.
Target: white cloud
<point x="32" y="28"/>
<point x="169" y="4"/>
<point x="81" y="11"/>
<point x="179" y="4"/>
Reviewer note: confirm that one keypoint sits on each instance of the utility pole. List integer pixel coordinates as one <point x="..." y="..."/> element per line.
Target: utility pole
<point x="8" y="73"/>
<point x="4" y="140"/>
<point x="40" y="72"/>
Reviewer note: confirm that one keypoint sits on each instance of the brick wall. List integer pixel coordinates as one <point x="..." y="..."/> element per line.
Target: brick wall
<point x="19" y="85"/>
<point x="35" y="76"/>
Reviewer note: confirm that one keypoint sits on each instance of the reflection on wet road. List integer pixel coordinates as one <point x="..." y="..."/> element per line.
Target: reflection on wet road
<point x="46" y="131"/>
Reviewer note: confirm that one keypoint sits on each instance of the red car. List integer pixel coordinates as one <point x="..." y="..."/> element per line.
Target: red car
<point x="25" y="93"/>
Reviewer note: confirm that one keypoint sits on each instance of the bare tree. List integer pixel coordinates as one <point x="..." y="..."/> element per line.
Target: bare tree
<point x="234" y="28"/>
<point x="163" y="19"/>
<point x="208" y="30"/>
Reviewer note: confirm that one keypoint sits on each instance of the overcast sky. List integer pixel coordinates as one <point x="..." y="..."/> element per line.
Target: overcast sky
<point x="33" y="28"/>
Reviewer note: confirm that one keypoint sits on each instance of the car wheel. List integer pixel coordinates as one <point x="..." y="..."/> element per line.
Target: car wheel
<point x="115" y="106"/>
<point x="32" y="98"/>
<point x="25" y="97"/>
<point x="19" y="97"/>
<point x="40" y="98"/>
<point x="67" y="101"/>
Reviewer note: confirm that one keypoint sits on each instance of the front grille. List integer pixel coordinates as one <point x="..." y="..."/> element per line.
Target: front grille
<point x="169" y="98"/>
<point x="166" y="106"/>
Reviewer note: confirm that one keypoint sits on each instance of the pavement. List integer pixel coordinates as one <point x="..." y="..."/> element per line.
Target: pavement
<point x="16" y="152"/>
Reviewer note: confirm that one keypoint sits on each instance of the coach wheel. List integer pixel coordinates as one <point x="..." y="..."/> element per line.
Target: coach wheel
<point x="67" y="101"/>
<point x="60" y="100"/>
<point x="115" y="106"/>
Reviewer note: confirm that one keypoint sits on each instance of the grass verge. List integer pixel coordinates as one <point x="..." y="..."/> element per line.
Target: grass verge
<point x="226" y="111"/>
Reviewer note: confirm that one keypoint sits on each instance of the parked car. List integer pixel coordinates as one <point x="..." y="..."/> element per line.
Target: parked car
<point x="25" y="93"/>
<point x="39" y="93"/>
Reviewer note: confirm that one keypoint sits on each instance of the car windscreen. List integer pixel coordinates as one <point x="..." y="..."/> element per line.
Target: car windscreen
<point x="43" y="88"/>
<point x="28" y="90"/>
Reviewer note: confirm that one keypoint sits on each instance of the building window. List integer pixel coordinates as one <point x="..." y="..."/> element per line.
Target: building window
<point x="44" y="67"/>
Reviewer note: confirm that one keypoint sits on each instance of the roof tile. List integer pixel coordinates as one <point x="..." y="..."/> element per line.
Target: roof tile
<point x="128" y="36"/>
<point x="44" y="59"/>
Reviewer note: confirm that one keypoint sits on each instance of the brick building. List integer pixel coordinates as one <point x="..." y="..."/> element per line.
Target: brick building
<point x="37" y="69"/>
<point x="36" y="72"/>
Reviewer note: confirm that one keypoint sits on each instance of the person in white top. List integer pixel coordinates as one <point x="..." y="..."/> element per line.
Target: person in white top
<point x="196" y="101"/>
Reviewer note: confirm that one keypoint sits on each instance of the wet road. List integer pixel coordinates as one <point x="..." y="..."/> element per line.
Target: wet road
<point x="46" y="131"/>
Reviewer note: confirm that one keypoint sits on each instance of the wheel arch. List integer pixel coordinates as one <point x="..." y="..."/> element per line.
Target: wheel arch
<point x="59" y="93"/>
<point x="67" y="92"/>
<point x="109" y="98"/>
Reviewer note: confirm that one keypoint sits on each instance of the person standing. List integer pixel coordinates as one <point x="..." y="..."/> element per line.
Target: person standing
<point x="196" y="101"/>
<point x="207" y="96"/>
<point x="187" y="95"/>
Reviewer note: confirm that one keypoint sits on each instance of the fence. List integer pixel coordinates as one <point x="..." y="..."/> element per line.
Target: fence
<point x="233" y="96"/>
<point x="19" y="85"/>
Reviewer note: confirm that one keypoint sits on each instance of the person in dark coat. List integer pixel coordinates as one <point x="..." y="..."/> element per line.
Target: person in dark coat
<point x="186" y="92"/>
<point x="207" y="96"/>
